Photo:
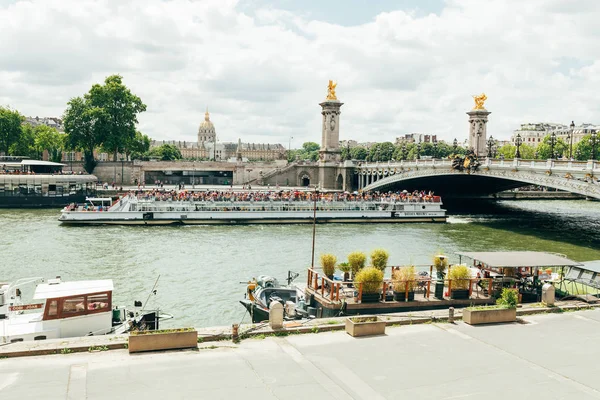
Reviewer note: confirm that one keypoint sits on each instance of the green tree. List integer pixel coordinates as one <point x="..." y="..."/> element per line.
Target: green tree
<point x="82" y="122"/>
<point x="166" y="152"/>
<point x="544" y="149"/>
<point x="10" y="128"/>
<point x="24" y="144"/>
<point x="47" y="138"/>
<point x="310" y="146"/>
<point x="381" y="151"/>
<point x="582" y="151"/>
<point x="359" y="153"/>
<point x="119" y="109"/>
<point x="138" y="147"/>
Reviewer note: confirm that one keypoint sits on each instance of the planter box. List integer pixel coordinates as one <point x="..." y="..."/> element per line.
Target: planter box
<point x="370" y="297"/>
<point x="439" y="291"/>
<point x="163" y="341"/>
<point x="365" y="326"/>
<point x="401" y="296"/>
<point x="493" y="315"/>
<point x="460" y="294"/>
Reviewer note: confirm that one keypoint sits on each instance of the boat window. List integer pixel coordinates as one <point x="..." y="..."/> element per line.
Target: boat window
<point x="98" y="302"/>
<point x="52" y="308"/>
<point x="73" y="305"/>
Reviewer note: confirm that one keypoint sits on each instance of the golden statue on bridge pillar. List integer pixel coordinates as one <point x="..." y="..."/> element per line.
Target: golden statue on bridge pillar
<point x="331" y="90"/>
<point x="479" y="100"/>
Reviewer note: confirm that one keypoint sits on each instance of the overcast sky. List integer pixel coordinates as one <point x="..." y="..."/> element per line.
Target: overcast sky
<point x="262" y="66"/>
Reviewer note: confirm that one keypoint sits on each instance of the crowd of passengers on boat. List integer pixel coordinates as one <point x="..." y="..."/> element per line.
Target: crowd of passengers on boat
<point x="283" y="195"/>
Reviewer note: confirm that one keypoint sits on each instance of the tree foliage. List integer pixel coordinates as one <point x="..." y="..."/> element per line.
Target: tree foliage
<point x="47" y="138"/>
<point x="104" y="117"/>
<point x="359" y="153"/>
<point x="582" y="151"/>
<point x="10" y="128"/>
<point x="166" y="152"/>
<point x="544" y="149"/>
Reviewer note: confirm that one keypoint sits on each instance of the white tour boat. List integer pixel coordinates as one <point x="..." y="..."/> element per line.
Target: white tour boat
<point x="65" y="309"/>
<point x="131" y="210"/>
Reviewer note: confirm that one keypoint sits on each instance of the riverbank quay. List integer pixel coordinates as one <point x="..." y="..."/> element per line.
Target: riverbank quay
<point x="206" y="336"/>
<point x="544" y="356"/>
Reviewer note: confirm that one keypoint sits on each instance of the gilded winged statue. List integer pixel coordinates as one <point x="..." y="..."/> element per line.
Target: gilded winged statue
<point x="331" y="90"/>
<point x="479" y="100"/>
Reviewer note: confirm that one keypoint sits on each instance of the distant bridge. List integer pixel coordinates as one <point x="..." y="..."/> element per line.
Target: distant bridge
<point x="492" y="176"/>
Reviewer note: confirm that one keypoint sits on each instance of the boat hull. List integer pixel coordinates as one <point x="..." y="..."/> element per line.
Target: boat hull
<point x="257" y="313"/>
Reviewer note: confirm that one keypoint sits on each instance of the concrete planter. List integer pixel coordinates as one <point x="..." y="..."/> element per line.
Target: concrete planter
<point x="365" y="326"/>
<point x="493" y="315"/>
<point x="163" y="341"/>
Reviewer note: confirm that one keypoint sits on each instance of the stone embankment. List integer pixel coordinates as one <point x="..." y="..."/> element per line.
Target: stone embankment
<point x="219" y="334"/>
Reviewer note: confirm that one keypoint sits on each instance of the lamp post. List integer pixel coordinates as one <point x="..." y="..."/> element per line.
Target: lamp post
<point x="570" y="139"/>
<point x="290" y="147"/>
<point x="455" y="145"/>
<point x="518" y="142"/>
<point x="404" y="151"/>
<point x="419" y="150"/>
<point x="193" y="174"/>
<point x="122" y="169"/>
<point x="593" y="142"/>
<point x="578" y="153"/>
<point x="435" y="144"/>
<point x="490" y="146"/>
<point x="316" y="194"/>
<point x="552" y="144"/>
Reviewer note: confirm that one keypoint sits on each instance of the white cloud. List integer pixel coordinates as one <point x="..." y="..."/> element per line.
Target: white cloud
<point x="263" y="73"/>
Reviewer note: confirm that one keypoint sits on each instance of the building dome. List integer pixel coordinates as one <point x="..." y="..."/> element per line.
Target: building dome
<point x="206" y="131"/>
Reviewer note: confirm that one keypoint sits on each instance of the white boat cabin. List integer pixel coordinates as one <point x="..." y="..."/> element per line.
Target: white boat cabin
<point x="65" y="309"/>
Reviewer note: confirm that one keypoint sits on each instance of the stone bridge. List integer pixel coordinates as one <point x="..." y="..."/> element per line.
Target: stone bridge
<point x="491" y="177"/>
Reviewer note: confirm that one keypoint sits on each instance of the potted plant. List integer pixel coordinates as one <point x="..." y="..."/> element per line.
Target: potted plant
<point x="440" y="263"/>
<point x="401" y="278"/>
<point x="372" y="280"/>
<point x="505" y="310"/>
<point x="365" y="326"/>
<point x="459" y="277"/>
<point x="357" y="261"/>
<point x="345" y="268"/>
<point x="379" y="259"/>
<point x="165" y="339"/>
<point x="328" y="264"/>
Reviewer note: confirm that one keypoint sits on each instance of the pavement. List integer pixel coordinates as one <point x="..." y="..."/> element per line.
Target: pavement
<point x="549" y="356"/>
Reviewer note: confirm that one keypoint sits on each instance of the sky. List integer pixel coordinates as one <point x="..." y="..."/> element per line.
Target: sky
<point x="262" y="67"/>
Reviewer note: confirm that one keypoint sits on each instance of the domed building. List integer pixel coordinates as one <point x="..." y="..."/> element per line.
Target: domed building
<point x="206" y="131"/>
<point x="208" y="148"/>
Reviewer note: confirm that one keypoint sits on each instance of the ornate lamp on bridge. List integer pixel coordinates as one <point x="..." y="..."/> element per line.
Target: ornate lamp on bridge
<point x="490" y="147"/>
<point x="403" y="154"/>
<point x="455" y="145"/>
<point x="419" y="150"/>
<point x="593" y="142"/>
<point x="435" y="147"/>
<point x="578" y="153"/>
<point x="552" y="144"/>
<point x="570" y="139"/>
<point x="518" y="142"/>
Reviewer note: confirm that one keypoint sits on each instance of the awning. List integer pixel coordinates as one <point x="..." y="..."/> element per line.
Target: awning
<point x="514" y="259"/>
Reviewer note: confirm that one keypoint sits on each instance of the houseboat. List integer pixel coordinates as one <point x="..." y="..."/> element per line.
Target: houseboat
<point x="66" y="309"/>
<point x="137" y="210"/>
<point x="28" y="183"/>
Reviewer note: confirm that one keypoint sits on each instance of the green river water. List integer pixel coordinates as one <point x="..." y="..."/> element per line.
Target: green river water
<point x="201" y="267"/>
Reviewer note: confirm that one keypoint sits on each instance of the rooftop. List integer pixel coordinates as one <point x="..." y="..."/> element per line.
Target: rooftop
<point x="514" y="259"/>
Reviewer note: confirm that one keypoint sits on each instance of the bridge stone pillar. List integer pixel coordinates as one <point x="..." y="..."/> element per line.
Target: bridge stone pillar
<point x="478" y="119"/>
<point x="330" y="153"/>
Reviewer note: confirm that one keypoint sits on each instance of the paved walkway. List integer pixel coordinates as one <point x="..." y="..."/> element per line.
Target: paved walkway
<point x="552" y="356"/>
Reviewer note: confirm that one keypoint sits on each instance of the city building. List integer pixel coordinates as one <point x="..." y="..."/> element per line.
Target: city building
<point x="533" y="134"/>
<point x="52" y="122"/>
<point x="208" y="147"/>
<point x="416" y="138"/>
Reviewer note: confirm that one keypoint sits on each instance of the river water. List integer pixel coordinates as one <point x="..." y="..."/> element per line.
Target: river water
<point x="201" y="267"/>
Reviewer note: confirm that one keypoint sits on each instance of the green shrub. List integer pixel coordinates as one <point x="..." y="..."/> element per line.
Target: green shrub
<point x="371" y="278"/>
<point x="460" y="275"/>
<point x="328" y="263"/>
<point x="379" y="259"/>
<point x="402" y="275"/>
<point x="357" y="260"/>
<point x="344" y="267"/>
<point x="509" y="298"/>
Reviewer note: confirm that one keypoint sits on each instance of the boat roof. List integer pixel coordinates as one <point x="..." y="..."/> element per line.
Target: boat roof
<point x="31" y="162"/>
<point x="515" y="259"/>
<point x="98" y="199"/>
<point x="65" y="289"/>
<point x="593" y="266"/>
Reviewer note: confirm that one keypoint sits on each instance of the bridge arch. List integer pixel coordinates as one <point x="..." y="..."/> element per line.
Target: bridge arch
<point x="444" y="180"/>
<point x="304" y="178"/>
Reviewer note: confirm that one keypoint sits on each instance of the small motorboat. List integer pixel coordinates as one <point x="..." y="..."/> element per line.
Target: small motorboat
<point x="67" y="309"/>
<point x="261" y="292"/>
